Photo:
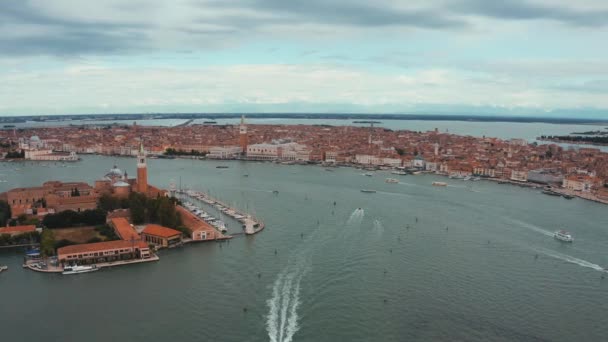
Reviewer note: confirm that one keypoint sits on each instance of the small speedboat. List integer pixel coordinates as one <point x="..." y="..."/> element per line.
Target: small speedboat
<point x="368" y="191"/>
<point x="391" y="180"/>
<point x="563" y="235"/>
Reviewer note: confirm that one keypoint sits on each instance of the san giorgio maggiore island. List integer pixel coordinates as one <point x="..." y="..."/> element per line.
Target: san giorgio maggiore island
<point x="115" y="200"/>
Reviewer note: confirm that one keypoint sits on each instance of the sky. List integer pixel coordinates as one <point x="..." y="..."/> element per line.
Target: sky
<point x="444" y="56"/>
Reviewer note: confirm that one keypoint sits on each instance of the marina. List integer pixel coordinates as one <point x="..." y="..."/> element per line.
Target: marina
<point x="249" y="224"/>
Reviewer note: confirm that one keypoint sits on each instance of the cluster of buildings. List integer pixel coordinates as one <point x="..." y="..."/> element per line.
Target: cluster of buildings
<point x="582" y="170"/>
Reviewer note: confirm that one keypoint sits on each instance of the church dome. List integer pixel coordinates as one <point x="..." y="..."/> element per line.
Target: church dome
<point x="121" y="184"/>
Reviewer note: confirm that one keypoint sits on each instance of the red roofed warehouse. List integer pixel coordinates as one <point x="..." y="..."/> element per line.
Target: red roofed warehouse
<point x="16" y="230"/>
<point x="106" y="251"/>
<point x="161" y="236"/>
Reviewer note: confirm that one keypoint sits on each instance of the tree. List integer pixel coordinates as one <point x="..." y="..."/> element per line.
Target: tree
<point x="47" y="242"/>
<point x="5" y="213"/>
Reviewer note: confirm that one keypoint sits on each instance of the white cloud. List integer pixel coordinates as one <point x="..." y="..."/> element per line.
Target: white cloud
<point x="118" y="90"/>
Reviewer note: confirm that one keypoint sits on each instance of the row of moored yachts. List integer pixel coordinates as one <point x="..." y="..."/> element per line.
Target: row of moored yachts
<point x="219" y="224"/>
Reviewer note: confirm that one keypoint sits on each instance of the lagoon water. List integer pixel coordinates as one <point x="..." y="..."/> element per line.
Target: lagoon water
<point x="411" y="262"/>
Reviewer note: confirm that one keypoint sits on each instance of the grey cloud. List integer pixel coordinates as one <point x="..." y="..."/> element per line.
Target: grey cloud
<point x="209" y="23"/>
<point x="527" y="10"/>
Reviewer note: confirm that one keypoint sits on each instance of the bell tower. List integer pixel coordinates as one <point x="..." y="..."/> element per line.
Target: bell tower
<point x="243" y="140"/>
<point x="142" y="169"/>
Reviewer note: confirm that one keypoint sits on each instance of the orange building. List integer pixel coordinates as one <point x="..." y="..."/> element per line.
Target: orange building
<point x="106" y="251"/>
<point x="124" y="230"/>
<point x="17" y="230"/>
<point x="161" y="236"/>
<point x="199" y="229"/>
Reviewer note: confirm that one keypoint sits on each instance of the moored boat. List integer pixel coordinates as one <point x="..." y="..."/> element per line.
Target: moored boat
<point x="79" y="269"/>
<point x="563" y="235"/>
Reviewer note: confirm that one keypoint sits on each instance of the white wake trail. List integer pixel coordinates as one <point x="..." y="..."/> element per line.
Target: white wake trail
<point x="356" y="217"/>
<point x="572" y="259"/>
<point x="532" y="227"/>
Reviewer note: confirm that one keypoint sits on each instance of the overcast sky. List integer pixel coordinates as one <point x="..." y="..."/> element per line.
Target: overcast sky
<point x="62" y="57"/>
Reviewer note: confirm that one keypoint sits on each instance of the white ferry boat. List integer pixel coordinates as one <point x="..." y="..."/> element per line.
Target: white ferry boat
<point x="391" y="180"/>
<point x="79" y="269"/>
<point x="563" y="235"/>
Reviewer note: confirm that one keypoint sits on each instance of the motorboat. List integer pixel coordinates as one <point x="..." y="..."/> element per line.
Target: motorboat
<point x="563" y="235"/>
<point x="401" y="173"/>
<point x="391" y="180"/>
<point x="368" y="191"/>
<point x="369" y="174"/>
<point x="79" y="269"/>
<point x="440" y="184"/>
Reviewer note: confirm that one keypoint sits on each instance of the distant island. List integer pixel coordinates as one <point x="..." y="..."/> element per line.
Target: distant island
<point x="333" y="116"/>
<point x="577" y="139"/>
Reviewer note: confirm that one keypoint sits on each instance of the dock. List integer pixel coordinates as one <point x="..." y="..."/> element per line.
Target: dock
<point x="251" y="224"/>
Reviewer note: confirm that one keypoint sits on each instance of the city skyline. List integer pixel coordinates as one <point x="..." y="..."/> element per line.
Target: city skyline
<point x="517" y="58"/>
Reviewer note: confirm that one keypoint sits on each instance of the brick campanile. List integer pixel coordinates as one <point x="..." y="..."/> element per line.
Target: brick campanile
<point x="142" y="170"/>
<point x="243" y="140"/>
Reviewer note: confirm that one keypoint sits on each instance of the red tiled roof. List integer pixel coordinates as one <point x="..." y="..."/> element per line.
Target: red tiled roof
<point x="18" y="229"/>
<point x="156" y="230"/>
<point x="124" y="229"/>
<point x="100" y="246"/>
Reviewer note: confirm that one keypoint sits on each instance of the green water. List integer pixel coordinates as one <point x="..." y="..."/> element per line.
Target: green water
<point x="465" y="271"/>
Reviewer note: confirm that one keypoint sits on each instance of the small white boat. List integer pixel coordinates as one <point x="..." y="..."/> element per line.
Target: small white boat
<point x="440" y="184"/>
<point x="79" y="269"/>
<point x="563" y="235"/>
<point x="3" y="268"/>
<point x="467" y="178"/>
<point x="391" y="180"/>
<point x="401" y="173"/>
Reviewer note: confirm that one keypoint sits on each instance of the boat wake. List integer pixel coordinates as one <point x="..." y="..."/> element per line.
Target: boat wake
<point x="532" y="227"/>
<point x="571" y="259"/>
<point x="282" y="319"/>
<point x="356" y="217"/>
<point x="378" y="228"/>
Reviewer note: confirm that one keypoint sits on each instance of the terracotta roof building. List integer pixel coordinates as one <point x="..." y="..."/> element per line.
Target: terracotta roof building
<point x="106" y="251"/>
<point x="123" y="229"/>
<point x="161" y="236"/>
<point x="16" y="230"/>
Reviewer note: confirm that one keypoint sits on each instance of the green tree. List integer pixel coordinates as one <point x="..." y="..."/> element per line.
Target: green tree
<point x="47" y="242"/>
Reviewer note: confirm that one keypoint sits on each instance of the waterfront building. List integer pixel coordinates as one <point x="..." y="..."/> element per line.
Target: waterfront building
<point x="519" y="176"/>
<point x="583" y="183"/>
<point x="106" y="251"/>
<point x="161" y="236"/>
<point x="262" y="152"/>
<point x="545" y="176"/>
<point x="142" y="170"/>
<point x="199" y="229"/>
<point x="229" y="152"/>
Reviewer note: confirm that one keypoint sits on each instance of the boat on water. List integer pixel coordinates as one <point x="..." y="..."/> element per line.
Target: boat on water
<point x="79" y="269"/>
<point x="391" y="180"/>
<point x="401" y="173"/>
<point x="440" y="184"/>
<point x="566" y="196"/>
<point x="3" y="268"/>
<point x="563" y="235"/>
<point x="369" y="174"/>
<point x="368" y="191"/>
<point x="551" y="192"/>
<point x="467" y="178"/>
<point x="221" y="167"/>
